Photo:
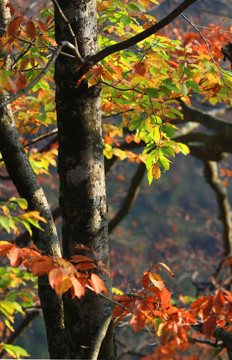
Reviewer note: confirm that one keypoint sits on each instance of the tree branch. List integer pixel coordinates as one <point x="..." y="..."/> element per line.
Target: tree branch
<point x="41" y="74"/>
<point x="101" y="334"/>
<point x="130" y="197"/>
<point x="123" y="45"/>
<point x="209" y="121"/>
<point x="211" y="175"/>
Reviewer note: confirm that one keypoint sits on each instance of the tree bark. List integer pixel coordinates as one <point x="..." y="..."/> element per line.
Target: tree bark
<point x="28" y="187"/>
<point x="81" y="171"/>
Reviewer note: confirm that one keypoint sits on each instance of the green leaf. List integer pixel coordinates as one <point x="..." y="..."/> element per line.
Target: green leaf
<point x="216" y="351"/>
<point x="150" y="176"/>
<point x="168" y="130"/>
<point x="5" y="223"/>
<point x="193" y="85"/>
<point x="21" y="202"/>
<point x="184" y="89"/>
<point x="172" y="87"/>
<point x="152" y="92"/>
<point x="132" y="7"/>
<point x="15" y="351"/>
<point x="164" y="162"/>
<point x="125" y="20"/>
<point x="156" y="134"/>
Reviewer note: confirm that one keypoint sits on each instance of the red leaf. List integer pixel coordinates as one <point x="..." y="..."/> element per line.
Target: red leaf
<point x="12" y="10"/>
<point x="42" y="26"/>
<point x="209" y="326"/>
<point x="13" y="26"/>
<point x="219" y="301"/>
<point x="77" y="289"/>
<point x="97" y="284"/>
<point x="30" y="29"/>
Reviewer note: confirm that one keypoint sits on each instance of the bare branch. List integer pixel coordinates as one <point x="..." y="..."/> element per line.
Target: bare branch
<point x="130" y="197"/>
<point x="211" y="175"/>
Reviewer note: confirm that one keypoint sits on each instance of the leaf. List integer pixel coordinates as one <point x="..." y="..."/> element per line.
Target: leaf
<point x="15" y="351"/>
<point x="138" y="319"/>
<point x="209" y="326"/>
<point x="30" y="29"/>
<point x="152" y="93"/>
<point x="193" y="85"/>
<point x="184" y="89"/>
<point x="5" y="223"/>
<point x="60" y="282"/>
<point x="215" y="352"/>
<point x="156" y="280"/>
<point x="219" y="301"/>
<point x="98" y="284"/>
<point x="40" y="265"/>
<point x="5" y="246"/>
<point x="77" y="289"/>
<point x="20" y="201"/>
<point x="13" y="26"/>
<point x="132" y="7"/>
<point x="167" y="268"/>
<point x="165" y="162"/>
<point x="156" y="172"/>
<point x="165" y="298"/>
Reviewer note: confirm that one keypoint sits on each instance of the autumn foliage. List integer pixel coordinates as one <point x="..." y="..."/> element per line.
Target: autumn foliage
<point x="144" y="88"/>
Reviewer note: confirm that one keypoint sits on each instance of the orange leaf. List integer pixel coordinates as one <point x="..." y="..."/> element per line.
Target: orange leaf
<point x="97" y="284"/>
<point x="81" y="258"/>
<point x="55" y="277"/>
<point x="167" y="268"/>
<point x="59" y="282"/>
<point x="40" y="265"/>
<point x="156" y="172"/>
<point x="165" y="297"/>
<point x="138" y="319"/>
<point x="77" y="289"/>
<point x="5" y="246"/>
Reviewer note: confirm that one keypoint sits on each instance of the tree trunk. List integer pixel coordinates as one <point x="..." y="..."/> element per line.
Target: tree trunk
<point x="81" y="171"/>
<point x="28" y="187"/>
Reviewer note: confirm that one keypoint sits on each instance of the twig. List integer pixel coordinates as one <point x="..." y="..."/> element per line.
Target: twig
<point x="42" y="137"/>
<point x="210" y="54"/>
<point x="41" y="75"/>
<point x="121" y="89"/>
<point x="67" y="22"/>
